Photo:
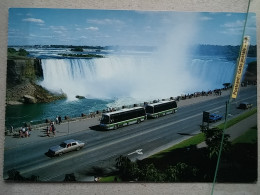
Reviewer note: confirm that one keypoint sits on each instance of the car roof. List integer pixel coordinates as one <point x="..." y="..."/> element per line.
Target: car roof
<point x="213" y="114"/>
<point x="69" y="141"/>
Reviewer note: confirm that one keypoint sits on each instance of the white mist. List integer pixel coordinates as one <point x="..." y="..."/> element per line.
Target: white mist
<point x="168" y="72"/>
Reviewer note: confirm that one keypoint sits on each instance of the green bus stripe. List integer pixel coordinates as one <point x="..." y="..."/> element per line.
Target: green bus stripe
<point x="126" y="121"/>
<point x="164" y="111"/>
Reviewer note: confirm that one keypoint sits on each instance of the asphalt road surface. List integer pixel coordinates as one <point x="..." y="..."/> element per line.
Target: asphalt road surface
<point x="103" y="147"/>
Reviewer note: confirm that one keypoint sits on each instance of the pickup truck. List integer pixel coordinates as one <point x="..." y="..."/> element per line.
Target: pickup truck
<point x="66" y="146"/>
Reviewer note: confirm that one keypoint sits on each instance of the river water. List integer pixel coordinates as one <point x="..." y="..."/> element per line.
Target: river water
<point x="120" y="78"/>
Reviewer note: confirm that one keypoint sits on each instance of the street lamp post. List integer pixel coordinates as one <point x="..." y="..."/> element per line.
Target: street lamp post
<point x="68" y="125"/>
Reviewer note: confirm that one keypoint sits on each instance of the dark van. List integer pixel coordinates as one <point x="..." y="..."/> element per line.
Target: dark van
<point x="244" y="105"/>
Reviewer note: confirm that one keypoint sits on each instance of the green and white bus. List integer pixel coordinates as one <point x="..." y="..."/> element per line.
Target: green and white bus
<point x="161" y="108"/>
<point x="124" y="117"/>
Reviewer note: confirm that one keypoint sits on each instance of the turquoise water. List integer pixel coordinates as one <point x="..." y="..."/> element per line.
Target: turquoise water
<point x="115" y="81"/>
<point x="17" y="115"/>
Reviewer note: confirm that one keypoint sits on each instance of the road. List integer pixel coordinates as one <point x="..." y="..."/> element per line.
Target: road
<point x="103" y="147"/>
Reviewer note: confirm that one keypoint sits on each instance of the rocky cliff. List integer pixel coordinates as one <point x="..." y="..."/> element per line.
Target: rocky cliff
<point x="22" y="78"/>
<point x="21" y="70"/>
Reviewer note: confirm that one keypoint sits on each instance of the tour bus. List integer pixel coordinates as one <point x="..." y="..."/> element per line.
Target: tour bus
<point x="126" y="116"/>
<point x="160" y="108"/>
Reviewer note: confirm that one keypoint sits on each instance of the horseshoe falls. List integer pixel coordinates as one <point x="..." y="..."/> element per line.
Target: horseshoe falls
<point x="136" y="77"/>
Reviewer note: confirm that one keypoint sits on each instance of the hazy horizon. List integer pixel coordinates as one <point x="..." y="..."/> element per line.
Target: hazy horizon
<point x="43" y="26"/>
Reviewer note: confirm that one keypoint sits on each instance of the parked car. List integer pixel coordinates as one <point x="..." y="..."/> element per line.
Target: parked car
<point x="66" y="146"/>
<point x="245" y="105"/>
<point x="214" y="117"/>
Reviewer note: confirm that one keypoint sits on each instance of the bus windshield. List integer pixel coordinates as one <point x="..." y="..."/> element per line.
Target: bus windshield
<point x="105" y="119"/>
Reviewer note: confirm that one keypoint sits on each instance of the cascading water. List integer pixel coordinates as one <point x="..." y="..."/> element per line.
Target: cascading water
<point x="213" y="70"/>
<point x="137" y="77"/>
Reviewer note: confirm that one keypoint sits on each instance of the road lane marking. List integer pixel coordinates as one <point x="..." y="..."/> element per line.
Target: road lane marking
<point x="58" y="160"/>
<point x="139" y="151"/>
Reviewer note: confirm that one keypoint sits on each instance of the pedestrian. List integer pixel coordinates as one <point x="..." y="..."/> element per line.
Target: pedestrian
<point x="27" y="134"/>
<point x="21" y="133"/>
<point x="23" y="130"/>
<point x="59" y="118"/>
<point x="50" y="128"/>
<point x="12" y="129"/>
<point x="53" y="130"/>
<point x="48" y="131"/>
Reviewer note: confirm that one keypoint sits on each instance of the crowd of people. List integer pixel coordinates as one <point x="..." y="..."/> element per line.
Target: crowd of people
<point x="217" y="92"/>
<point x="25" y="132"/>
<point x="51" y="129"/>
<point x="58" y="120"/>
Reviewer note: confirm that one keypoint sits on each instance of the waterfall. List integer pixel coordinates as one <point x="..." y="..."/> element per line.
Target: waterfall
<point x="213" y="71"/>
<point x="137" y="77"/>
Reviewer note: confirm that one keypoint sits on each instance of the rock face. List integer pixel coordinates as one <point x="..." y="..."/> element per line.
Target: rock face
<point x="22" y="78"/>
<point x="21" y="70"/>
<point x="29" y="99"/>
<point x="80" y="97"/>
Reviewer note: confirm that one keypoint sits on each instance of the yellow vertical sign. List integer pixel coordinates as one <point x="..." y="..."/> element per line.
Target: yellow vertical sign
<point x="240" y="66"/>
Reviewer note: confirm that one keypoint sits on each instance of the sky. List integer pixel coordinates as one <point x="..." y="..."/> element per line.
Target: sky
<point x="44" y="26"/>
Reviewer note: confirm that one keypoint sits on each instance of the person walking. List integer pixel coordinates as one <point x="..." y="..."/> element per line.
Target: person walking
<point x="59" y="118"/>
<point x="48" y="131"/>
<point x="53" y="129"/>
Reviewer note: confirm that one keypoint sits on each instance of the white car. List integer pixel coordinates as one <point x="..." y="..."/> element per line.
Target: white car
<point x="66" y="146"/>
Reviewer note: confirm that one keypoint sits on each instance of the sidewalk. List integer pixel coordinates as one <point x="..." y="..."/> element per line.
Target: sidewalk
<point x="39" y="134"/>
<point x="69" y="127"/>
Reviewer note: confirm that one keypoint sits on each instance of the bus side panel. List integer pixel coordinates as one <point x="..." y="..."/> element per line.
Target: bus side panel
<point x="128" y="118"/>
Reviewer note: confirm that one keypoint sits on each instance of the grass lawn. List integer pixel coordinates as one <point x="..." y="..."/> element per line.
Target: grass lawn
<point x="109" y="179"/>
<point x="238" y="118"/>
<point x="248" y="137"/>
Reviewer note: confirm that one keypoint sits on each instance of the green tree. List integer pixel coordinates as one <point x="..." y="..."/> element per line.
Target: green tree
<point x="11" y="50"/>
<point x="213" y="140"/>
<point x="70" y="177"/>
<point x="181" y="172"/>
<point x="80" y="49"/>
<point x="128" y="170"/>
<point x="151" y="174"/>
<point x="15" y="175"/>
<point x="22" y="52"/>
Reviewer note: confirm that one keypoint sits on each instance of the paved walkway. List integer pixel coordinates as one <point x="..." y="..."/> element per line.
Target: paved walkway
<point x="70" y="127"/>
<point x="40" y="134"/>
